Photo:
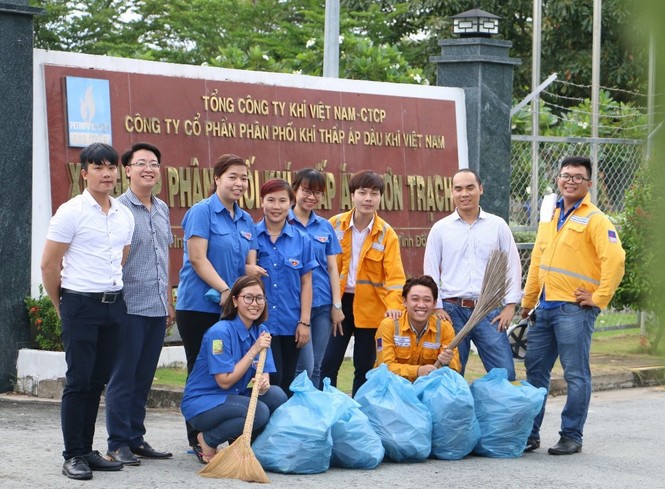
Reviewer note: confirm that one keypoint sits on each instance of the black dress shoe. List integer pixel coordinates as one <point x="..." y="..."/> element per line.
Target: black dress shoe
<point x="97" y="462"/>
<point x="124" y="455"/>
<point x="77" y="468"/>
<point x="566" y="446"/>
<point x="532" y="444"/>
<point x="147" y="451"/>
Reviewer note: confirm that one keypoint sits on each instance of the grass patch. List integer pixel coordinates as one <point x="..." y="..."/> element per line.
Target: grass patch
<point x="608" y="348"/>
<point x="170" y="377"/>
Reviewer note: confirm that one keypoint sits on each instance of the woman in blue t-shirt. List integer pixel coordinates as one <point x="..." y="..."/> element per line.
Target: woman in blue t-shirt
<point x="309" y="186"/>
<point x="285" y="253"/>
<point x="217" y="395"/>
<point x="220" y="246"/>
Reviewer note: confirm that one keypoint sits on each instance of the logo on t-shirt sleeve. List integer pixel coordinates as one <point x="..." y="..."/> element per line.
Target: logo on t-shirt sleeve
<point x="217" y="347"/>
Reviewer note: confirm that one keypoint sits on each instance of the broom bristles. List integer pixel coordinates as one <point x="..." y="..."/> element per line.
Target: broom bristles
<point x="237" y="461"/>
<point x="492" y="291"/>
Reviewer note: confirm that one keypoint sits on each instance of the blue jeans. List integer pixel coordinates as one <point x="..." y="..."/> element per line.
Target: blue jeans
<point x="141" y="339"/>
<point x="227" y="420"/>
<point x="564" y="331"/>
<point x="493" y="346"/>
<point x="311" y="355"/>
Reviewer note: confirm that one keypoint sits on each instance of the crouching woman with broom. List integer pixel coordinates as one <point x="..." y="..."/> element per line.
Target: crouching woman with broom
<point x="217" y="396"/>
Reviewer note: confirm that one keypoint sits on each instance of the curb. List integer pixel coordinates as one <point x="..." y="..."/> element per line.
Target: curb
<point x="170" y="398"/>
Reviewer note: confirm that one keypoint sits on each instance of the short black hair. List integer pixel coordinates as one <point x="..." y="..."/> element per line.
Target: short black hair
<point x="127" y="155"/>
<point x="577" y="161"/>
<point x="425" y="281"/>
<point x="98" y="154"/>
<point x="473" y="172"/>
<point x="366" y="179"/>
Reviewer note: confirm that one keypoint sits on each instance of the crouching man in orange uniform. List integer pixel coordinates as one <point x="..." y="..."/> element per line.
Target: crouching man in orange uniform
<point x="410" y="345"/>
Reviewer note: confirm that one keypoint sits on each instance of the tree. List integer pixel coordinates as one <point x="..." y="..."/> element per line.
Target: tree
<point x="404" y="32"/>
<point x="642" y="287"/>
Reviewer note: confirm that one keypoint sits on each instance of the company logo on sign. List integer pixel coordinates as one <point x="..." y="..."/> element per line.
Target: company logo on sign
<point x="88" y="111"/>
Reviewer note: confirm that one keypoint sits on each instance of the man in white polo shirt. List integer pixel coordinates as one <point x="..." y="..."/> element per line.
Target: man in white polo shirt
<point x="87" y="243"/>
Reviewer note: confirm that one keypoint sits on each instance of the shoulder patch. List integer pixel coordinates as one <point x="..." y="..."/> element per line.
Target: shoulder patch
<point x="612" y="236"/>
<point x="217" y="347"/>
<point x="379" y="344"/>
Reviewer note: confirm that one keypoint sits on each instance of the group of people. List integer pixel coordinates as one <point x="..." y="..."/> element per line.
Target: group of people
<point x="299" y="286"/>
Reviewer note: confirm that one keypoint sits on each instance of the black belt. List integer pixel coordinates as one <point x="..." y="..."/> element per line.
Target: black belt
<point x="103" y="297"/>
<point x="468" y="303"/>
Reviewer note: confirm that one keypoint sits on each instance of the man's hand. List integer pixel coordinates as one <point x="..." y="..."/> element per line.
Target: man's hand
<point x="505" y="317"/>
<point x="425" y="370"/>
<point x="584" y="297"/>
<point x="441" y="314"/>
<point x="393" y="314"/>
<point x="445" y="357"/>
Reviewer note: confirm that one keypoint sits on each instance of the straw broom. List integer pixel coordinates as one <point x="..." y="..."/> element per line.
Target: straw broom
<point x="492" y="291"/>
<point x="237" y="461"/>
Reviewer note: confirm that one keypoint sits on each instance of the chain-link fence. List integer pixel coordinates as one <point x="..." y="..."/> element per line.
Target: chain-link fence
<point x="535" y="163"/>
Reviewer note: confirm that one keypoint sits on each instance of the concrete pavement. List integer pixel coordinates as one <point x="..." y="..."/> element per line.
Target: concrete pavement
<point x="623" y="448"/>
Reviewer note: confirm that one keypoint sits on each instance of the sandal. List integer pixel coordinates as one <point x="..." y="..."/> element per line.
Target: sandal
<point x="198" y="451"/>
<point x="204" y="457"/>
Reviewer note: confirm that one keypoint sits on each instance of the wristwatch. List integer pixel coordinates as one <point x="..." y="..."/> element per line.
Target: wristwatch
<point x="338" y="306"/>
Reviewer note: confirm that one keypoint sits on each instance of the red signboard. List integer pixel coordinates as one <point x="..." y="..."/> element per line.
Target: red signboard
<point x="412" y="141"/>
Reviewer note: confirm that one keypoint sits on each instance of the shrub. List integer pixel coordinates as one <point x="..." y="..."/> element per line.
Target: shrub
<point x="45" y="322"/>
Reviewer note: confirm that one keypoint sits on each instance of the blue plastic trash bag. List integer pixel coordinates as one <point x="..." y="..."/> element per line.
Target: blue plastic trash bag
<point x="398" y="417"/>
<point x="355" y="444"/>
<point x="455" y="429"/>
<point x="505" y="413"/>
<point x="297" y="438"/>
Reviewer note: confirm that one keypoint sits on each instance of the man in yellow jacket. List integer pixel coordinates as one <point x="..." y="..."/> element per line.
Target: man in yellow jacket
<point x="576" y="265"/>
<point x="371" y="277"/>
<point x="410" y="345"/>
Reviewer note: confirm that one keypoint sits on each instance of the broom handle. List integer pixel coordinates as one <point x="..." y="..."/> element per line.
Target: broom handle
<point x="251" y="410"/>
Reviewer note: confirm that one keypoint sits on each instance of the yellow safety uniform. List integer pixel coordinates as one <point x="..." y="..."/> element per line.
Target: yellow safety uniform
<point x="380" y="275"/>
<point x="397" y="347"/>
<point x="586" y="252"/>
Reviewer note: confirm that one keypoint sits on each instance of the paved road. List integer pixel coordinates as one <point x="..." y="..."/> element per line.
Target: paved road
<point x="623" y="448"/>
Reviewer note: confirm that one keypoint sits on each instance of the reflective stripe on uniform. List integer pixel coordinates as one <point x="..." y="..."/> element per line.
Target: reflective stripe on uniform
<point x="570" y="274"/>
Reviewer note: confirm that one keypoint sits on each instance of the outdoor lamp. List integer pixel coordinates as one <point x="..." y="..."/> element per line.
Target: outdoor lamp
<point x="475" y="23"/>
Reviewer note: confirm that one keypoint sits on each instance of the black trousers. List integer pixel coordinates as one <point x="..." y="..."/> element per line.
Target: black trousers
<point x="90" y="336"/>
<point x="364" y="349"/>
<point x="192" y="325"/>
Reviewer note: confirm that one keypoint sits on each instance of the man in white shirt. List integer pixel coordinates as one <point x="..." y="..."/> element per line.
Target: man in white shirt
<point x="87" y="243"/>
<point x="457" y="251"/>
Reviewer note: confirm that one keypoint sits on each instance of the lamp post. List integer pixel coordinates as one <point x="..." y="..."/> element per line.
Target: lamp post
<point x="475" y="23"/>
<point x="480" y="64"/>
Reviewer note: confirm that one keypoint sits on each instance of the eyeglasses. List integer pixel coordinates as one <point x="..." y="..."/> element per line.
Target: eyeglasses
<point x="308" y="192"/>
<point x="564" y="177"/>
<point x="154" y="164"/>
<point x="248" y="299"/>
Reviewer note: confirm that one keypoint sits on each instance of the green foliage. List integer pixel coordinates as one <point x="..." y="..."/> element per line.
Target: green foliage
<point x="643" y="285"/>
<point x="45" y="321"/>
<point x="384" y="40"/>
